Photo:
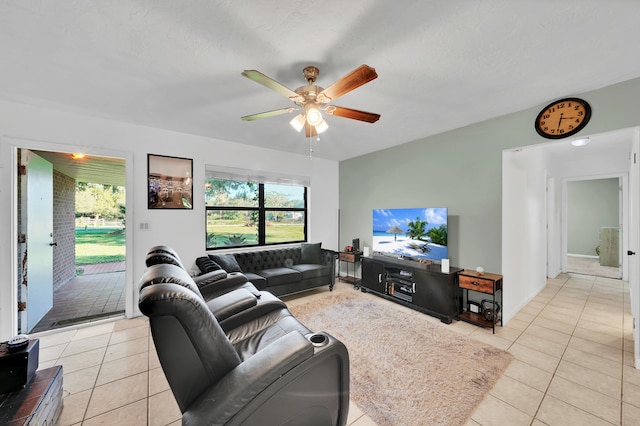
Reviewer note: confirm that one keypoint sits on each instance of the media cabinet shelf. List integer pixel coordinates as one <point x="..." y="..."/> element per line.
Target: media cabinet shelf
<point x="420" y="286"/>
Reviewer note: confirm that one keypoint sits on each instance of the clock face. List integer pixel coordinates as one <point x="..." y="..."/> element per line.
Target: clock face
<point x="563" y="118"/>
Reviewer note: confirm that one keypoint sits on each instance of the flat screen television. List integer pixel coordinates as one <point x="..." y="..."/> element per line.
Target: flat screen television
<point x="419" y="233"/>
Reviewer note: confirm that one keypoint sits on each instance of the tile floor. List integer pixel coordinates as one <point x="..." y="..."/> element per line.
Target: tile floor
<point x="573" y="364"/>
<point x="96" y="294"/>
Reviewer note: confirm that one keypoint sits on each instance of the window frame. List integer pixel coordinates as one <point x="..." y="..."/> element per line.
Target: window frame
<point x="262" y="214"/>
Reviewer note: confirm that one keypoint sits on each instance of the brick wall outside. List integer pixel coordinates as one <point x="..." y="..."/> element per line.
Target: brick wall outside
<point x="64" y="211"/>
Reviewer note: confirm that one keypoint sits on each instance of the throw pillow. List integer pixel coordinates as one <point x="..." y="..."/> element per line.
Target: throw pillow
<point x="228" y="262"/>
<point x="311" y="253"/>
<point x="207" y="265"/>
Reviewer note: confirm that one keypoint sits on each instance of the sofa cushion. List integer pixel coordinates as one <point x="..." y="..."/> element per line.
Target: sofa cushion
<point x="228" y="262"/>
<point x="258" y="281"/>
<point x="205" y="264"/>
<point x="310" y="253"/>
<point x="280" y="276"/>
<point x="312" y="271"/>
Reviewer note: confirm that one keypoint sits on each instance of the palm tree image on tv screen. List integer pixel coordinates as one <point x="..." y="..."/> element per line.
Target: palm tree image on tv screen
<point x="419" y="233"/>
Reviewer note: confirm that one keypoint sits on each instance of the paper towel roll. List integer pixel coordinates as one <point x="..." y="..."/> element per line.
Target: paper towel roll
<point x="445" y="265"/>
<point x="365" y="251"/>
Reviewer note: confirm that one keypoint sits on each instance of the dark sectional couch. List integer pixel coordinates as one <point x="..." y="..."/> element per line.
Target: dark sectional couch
<point x="279" y="271"/>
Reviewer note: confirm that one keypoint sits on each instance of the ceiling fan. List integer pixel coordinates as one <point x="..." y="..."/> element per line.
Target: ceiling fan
<point x="312" y="99"/>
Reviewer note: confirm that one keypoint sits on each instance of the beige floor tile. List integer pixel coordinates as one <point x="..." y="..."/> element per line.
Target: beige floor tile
<point x="562" y="327"/>
<point x="616" y="342"/>
<point x="558" y="317"/>
<point x="82" y="360"/>
<point x="130" y="323"/>
<point x="630" y="415"/>
<point x="531" y="340"/>
<point x="593" y="362"/>
<point x="529" y="375"/>
<point x="132" y="414"/>
<point x="354" y="413"/>
<point x="129" y="334"/>
<point x="83" y="345"/>
<point x="598" y="349"/>
<point x="51" y="353"/>
<point x="555" y="336"/>
<point x="517" y="394"/>
<point x="73" y="408"/>
<point x="631" y="394"/>
<point x="516" y="324"/>
<point x="163" y="409"/>
<point x="123" y="367"/>
<point x="157" y="381"/>
<point x="554" y="412"/>
<point x="80" y="380"/>
<point x="54" y="338"/>
<point x="593" y="380"/>
<point x="493" y="411"/>
<point x="536" y="358"/>
<point x="94" y="330"/>
<point x="631" y="374"/>
<point x="125" y="349"/>
<point x="588" y="400"/>
<point x="118" y="394"/>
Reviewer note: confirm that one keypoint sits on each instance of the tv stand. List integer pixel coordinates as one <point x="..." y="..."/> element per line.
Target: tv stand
<point x="420" y="286"/>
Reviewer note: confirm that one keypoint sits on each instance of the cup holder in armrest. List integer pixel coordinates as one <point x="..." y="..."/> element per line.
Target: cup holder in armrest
<point x="318" y="339"/>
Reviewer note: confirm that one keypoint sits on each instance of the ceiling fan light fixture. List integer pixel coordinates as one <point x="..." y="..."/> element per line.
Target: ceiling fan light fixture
<point x="321" y="127"/>
<point x="298" y="122"/>
<point x="314" y="117"/>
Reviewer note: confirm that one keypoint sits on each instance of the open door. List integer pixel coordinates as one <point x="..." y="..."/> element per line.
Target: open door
<point x="39" y="237"/>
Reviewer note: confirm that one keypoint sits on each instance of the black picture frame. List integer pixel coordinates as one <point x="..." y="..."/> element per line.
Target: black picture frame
<point x="169" y="182"/>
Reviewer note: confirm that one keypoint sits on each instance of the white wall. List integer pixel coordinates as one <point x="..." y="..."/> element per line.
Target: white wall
<point x="48" y="129"/>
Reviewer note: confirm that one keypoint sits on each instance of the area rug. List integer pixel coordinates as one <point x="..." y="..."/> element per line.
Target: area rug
<point x="405" y="369"/>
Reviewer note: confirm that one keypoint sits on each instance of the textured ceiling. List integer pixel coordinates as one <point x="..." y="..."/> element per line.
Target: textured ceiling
<point x="176" y="64"/>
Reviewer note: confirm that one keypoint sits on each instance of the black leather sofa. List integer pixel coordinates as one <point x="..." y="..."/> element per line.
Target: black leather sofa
<point x="263" y="367"/>
<point x="280" y="271"/>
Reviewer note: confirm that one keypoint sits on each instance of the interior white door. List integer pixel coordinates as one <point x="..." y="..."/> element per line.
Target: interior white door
<point x="39" y="230"/>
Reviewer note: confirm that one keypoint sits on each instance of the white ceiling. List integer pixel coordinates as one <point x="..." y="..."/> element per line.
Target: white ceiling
<point x="176" y="64"/>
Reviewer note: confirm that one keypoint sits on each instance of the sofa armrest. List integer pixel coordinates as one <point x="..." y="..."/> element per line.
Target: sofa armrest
<point x="231" y="303"/>
<point x="248" y="379"/>
<point x="210" y="277"/>
<point x="232" y="279"/>
<point x="329" y="258"/>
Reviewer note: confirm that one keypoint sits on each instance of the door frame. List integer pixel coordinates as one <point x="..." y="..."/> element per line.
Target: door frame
<point x="9" y="306"/>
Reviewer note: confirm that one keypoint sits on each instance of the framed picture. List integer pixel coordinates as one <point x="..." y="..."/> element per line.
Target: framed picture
<point x="170" y="182"/>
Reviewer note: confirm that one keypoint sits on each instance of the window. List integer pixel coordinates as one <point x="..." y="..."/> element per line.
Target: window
<point x="244" y="210"/>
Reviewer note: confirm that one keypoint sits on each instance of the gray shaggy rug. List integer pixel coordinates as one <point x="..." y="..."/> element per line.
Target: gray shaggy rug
<point x="406" y="370"/>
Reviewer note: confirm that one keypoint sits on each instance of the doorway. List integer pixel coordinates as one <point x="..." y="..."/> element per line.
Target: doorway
<point x="594" y="226"/>
<point x="75" y="294"/>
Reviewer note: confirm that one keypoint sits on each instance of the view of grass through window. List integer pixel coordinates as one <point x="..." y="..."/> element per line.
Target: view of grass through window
<point x="249" y="214"/>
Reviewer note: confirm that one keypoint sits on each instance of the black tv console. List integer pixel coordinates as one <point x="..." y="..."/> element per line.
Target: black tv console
<point x="420" y="286"/>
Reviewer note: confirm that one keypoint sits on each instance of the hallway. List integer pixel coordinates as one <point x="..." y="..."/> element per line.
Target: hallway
<point x="96" y="294"/>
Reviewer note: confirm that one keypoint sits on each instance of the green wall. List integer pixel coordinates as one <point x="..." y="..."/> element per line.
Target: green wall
<point x="462" y="170"/>
<point x="591" y="205"/>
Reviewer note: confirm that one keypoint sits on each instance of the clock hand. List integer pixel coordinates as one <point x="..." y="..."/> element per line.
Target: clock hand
<point x="560" y="120"/>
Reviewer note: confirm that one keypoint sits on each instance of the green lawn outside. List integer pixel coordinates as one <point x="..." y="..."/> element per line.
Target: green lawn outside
<point x="99" y="245"/>
<point x="275" y="233"/>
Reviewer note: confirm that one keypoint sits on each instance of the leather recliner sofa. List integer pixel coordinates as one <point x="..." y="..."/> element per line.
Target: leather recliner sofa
<point x="263" y="367"/>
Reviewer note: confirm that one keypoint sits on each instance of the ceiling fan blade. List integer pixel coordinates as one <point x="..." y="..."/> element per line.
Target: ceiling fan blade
<point x="310" y="130"/>
<point x="258" y="77"/>
<point x="356" y="78"/>
<point x="354" y="114"/>
<point x="268" y="114"/>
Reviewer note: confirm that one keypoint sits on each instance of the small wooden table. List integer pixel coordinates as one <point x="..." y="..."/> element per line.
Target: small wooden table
<point x="350" y="258"/>
<point x="486" y="283"/>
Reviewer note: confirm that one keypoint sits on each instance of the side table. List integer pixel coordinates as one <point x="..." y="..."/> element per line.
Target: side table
<point x="350" y="258"/>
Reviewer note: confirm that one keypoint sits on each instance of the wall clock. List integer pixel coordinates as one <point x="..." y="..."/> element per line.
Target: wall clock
<point x="563" y="118"/>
